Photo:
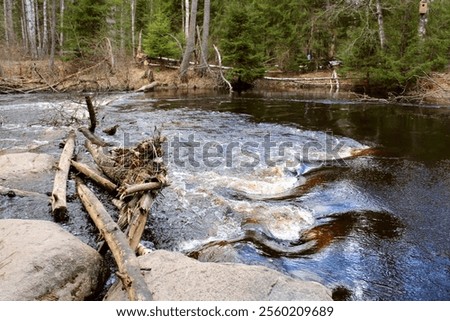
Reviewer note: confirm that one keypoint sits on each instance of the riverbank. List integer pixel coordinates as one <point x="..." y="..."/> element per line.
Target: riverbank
<point x="102" y="76"/>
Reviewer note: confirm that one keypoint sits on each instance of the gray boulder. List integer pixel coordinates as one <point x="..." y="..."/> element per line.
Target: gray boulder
<point x="18" y="165"/>
<point x="41" y="261"/>
<point x="172" y="276"/>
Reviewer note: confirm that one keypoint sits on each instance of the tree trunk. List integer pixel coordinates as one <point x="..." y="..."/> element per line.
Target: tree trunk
<point x="53" y="35"/>
<point x="61" y="26"/>
<point x="186" y="18"/>
<point x="380" y="25"/>
<point x="30" y="27"/>
<point x="190" y="45"/>
<point x="205" y="36"/>
<point x="44" y="43"/>
<point x="133" y="27"/>
<point x="9" y="23"/>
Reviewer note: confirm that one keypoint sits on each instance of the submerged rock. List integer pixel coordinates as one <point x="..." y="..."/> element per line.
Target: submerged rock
<point x="172" y="276"/>
<point x="41" y="261"/>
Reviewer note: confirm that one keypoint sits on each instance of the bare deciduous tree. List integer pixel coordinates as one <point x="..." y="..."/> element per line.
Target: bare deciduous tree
<point x="190" y="45"/>
<point x="205" y="36"/>
<point x="9" y="24"/>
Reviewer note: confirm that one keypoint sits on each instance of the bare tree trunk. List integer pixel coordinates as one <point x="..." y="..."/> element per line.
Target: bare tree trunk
<point x="30" y="25"/>
<point x="9" y="24"/>
<point x="38" y="29"/>
<point x="190" y="45"/>
<point x="380" y="24"/>
<point x="186" y="18"/>
<point x="61" y="26"/>
<point x="133" y="27"/>
<point x="53" y="34"/>
<point x="205" y="36"/>
<point x="44" y="43"/>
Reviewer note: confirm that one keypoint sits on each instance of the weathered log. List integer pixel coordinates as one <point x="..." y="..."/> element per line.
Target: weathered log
<point x="99" y="179"/>
<point x="91" y="111"/>
<point x="58" y="199"/>
<point x="142" y="250"/>
<point x="12" y="192"/>
<point x="149" y="87"/>
<point x="140" y="216"/>
<point x="93" y="138"/>
<point x="107" y="165"/>
<point x="131" y="189"/>
<point x="128" y="266"/>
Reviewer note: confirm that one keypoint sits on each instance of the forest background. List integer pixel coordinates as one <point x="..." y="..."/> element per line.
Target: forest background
<point x="390" y="43"/>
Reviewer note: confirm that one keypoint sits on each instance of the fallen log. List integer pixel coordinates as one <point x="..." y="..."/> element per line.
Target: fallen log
<point x="131" y="189"/>
<point x="12" y="192"/>
<point x="99" y="179"/>
<point x="92" y="137"/>
<point x="139" y="219"/>
<point x="108" y="166"/>
<point x="128" y="266"/>
<point x="149" y="87"/>
<point x="58" y="198"/>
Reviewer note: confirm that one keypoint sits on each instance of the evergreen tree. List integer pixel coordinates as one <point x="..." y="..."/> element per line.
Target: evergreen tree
<point x="86" y="25"/>
<point x="158" y="41"/>
<point x="241" y="43"/>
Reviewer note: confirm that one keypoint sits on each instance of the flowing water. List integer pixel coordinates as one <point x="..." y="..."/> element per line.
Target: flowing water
<point x="355" y="196"/>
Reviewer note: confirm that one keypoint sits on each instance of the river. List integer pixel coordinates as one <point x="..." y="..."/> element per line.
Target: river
<point x="321" y="187"/>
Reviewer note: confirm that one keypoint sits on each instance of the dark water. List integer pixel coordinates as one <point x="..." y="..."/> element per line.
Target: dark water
<point x="323" y="188"/>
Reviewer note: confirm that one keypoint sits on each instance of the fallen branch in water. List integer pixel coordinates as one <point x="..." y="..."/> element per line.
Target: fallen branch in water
<point x="91" y="111"/>
<point x="149" y="87"/>
<point x="99" y="179"/>
<point x="58" y="199"/>
<point x="12" y="192"/>
<point x="131" y="189"/>
<point x="128" y="266"/>
<point x="92" y="137"/>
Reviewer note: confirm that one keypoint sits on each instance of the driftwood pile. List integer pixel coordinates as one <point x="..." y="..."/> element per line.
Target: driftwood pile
<point x="133" y="176"/>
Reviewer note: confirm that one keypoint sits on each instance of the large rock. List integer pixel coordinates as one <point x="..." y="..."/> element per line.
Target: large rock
<point x="41" y="261"/>
<point x="172" y="276"/>
<point x="19" y="165"/>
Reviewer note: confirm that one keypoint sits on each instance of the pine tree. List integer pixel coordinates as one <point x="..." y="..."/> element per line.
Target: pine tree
<point x="158" y="41"/>
<point x="241" y="44"/>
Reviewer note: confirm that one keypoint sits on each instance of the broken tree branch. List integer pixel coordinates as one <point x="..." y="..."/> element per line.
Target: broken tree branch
<point x="139" y="220"/>
<point x="59" y="204"/>
<point x="131" y="189"/>
<point x="93" y="138"/>
<point x="92" y="117"/>
<point x="99" y="179"/>
<point x="219" y="58"/>
<point x="12" y="192"/>
<point x="128" y="266"/>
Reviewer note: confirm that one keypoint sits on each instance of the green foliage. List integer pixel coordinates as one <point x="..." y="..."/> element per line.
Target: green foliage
<point x="406" y="56"/>
<point x="241" y="43"/>
<point x="85" y="25"/>
<point x="158" y="41"/>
